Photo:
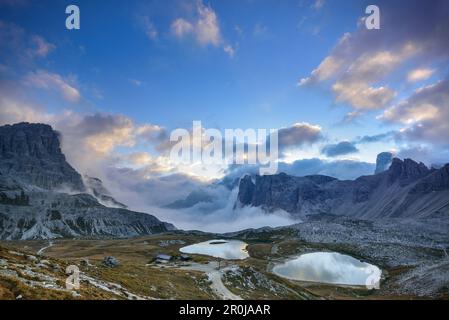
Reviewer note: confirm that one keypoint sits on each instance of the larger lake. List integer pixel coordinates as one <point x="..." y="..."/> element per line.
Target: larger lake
<point x="330" y="267"/>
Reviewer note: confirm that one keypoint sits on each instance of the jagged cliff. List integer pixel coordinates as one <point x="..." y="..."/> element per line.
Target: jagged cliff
<point x="43" y="197"/>
<point x="31" y="153"/>
<point x="407" y="189"/>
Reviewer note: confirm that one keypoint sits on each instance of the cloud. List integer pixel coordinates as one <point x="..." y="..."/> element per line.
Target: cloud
<point x="43" y="48"/>
<point x="46" y="80"/>
<point x="204" y="27"/>
<point x="361" y="96"/>
<point x="355" y="85"/>
<point x="136" y="82"/>
<point x="375" y="138"/>
<point x="207" y="29"/>
<point x="419" y="74"/>
<point x="299" y="134"/>
<point x="425" y="114"/>
<point x="221" y="216"/>
<point x="425" y="154"/>
<point x="181" y="27"/>
<point x="140" y="158"/>
<point x="360" y="64"/>
<point x="145" y="189"/>
<point x="318" y="4"/>
<point x="340" y="169"/>
<point x="149" y="28"/>
<point x="18" y="48"/>
<point x="14" y="108"/>
<point x="339" y="149"/>
<point x="102" y="133"/>
<point x="229" y="50"/>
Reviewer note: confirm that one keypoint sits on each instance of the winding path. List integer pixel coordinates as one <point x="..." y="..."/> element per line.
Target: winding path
<point x="214" y="276"/>
<point x="41" y="250"/>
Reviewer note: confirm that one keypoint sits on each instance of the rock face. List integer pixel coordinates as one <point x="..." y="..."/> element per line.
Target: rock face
<point x="192" y="199"/>
<point x="34" y="179"/>
<point x="96" y="188"/>
<point x="31" y="153"/>
<point x="383" y="162"/>
<point x="407" y="189"/>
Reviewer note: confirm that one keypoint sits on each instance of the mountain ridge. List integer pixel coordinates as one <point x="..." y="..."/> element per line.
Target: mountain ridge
<point x="407" y="189"/>
<point x="33" y="204"/>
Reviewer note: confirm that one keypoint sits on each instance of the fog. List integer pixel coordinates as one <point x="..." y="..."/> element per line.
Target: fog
<point x="220" y="216"/>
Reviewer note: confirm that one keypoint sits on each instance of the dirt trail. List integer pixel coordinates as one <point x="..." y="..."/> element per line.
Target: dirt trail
<point x="214" y="275"/>
<point x="41" y="250"/>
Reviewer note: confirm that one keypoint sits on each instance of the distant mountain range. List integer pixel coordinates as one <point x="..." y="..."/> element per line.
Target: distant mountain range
<point x="406" y="190"/>
<point x="42" y="196"/>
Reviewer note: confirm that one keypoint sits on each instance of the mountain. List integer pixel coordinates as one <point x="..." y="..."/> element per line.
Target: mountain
<point x="407" y="189"/>
<point x="193" y="198"/>
<point x="32" y="155"/>
<point x="43" y="197"/>
<point x="96" y="188"/>
<point x="383" y="161"/>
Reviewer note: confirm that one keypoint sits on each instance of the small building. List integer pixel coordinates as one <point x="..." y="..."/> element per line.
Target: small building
<point x="185" y="257"/>
<point x="163" y="258"/>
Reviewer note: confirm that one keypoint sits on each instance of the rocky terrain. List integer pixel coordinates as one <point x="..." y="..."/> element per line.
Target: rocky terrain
<point x="406" y="190"/>
<point x="411" y="255"/>
<point x="396" y="219"/>
<point x="43" y="197"/>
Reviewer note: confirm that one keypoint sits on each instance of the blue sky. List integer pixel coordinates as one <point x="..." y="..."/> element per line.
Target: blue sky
<point x="195" y="81"/>
<point x="233" y="64"/>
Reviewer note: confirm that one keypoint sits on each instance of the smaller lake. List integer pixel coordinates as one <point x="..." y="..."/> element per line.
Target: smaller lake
<point x="331" y="268"/>
<point x="225" y="249"/>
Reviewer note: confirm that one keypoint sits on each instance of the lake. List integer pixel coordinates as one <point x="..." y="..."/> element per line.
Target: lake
<point x="331" y="268"/>
<point x="225" y="249"/>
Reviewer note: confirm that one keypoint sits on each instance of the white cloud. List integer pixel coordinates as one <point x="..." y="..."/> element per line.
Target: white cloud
<point x="181" y="27"/>
<point x="327" y="69"/>
<point x="46" y="80"/>
<point x="43" y="48"/>
<point x="425" y="114"/>
<point x="13" y="110"/>
<point x="149" y="28"/>
<point x="355" y="87"/>
<point x="229" y="50"/>
<point x="136" y="82"/>
<point x="318" y="4"/>
<point x="299" y="134"/>
<point x="205" y="27"/>
<point x="419" y="74"/>
<point x="361" y="96"/>
<point x="362" y="62"/>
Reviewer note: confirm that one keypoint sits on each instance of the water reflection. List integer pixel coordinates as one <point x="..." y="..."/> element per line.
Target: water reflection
<point x="330" y="267"/>
<point x="225" y="249"/>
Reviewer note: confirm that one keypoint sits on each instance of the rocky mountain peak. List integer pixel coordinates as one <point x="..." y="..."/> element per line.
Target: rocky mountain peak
<point x="383" y="161"/>
<point x="407" y="171"/>
<point x="32" y="154"/>
<point x="43" y="197"/>
<point x="26" y="139"/>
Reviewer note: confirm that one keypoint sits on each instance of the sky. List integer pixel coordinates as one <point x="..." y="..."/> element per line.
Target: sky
<point x="338" y="93"/>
